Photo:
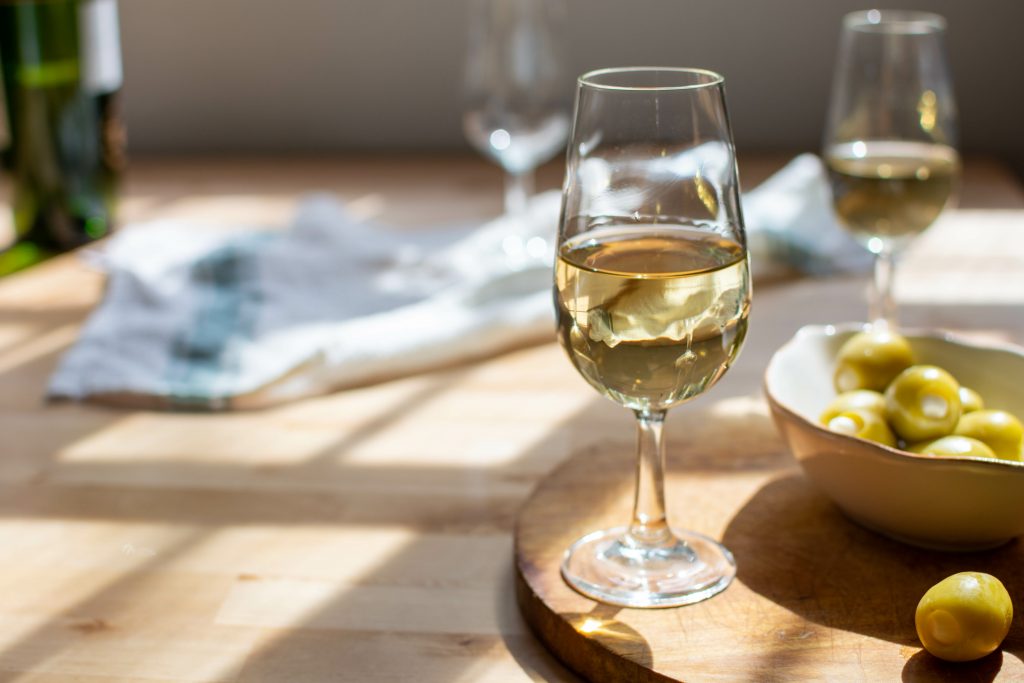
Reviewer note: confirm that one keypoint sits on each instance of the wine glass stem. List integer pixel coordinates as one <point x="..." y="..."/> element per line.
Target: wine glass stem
<point x="649" y="527"/>
<point x="883" y="306"/>
<point x="518" y="188"/>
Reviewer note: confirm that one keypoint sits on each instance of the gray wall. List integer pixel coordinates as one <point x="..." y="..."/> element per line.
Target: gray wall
<point x="330" y="75"/>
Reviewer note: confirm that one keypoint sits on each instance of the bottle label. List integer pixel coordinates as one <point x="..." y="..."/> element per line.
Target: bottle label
<point x="48" y="74"/>
<point x="100" y="46"/>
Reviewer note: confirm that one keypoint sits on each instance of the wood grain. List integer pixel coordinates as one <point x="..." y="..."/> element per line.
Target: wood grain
<point x="367" y="535"/>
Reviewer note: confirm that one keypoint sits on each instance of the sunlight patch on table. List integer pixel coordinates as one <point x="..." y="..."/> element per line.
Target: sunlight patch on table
<point x="70" y="648"/>
<point x="289" y="603"/>
<point x="35" y="547"/>
<point x="244" y="439"/>
<point x="447" y="444"/>
<point x="129" y="613"/>
<point x="43" y="345"/>
<point x="355" y="554"/>
<point x="739" y="407"/>
<point x="985" y="267"/>
<point x="59" y="562"/>
<point x="13" y="333"/>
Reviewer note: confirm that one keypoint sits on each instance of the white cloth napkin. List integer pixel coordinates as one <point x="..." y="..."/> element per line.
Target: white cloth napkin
<point x="199" y="318"/>
<point x="791" y="224"/>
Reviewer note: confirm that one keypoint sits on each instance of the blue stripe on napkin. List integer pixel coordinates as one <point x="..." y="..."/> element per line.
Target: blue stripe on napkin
<point x="205" y="355"/>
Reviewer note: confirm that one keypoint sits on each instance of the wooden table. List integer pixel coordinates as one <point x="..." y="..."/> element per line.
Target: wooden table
<point x="365" y="536"/>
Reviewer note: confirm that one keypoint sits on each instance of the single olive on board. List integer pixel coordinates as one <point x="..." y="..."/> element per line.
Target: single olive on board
<point x="970" y="400"/>
<point x="860" y="399"/>
<point x="953" y="445"/>
<point x="862" y="423"/>
<point x="963" y="617"/>
<point x="923" y="402"/>
<point x="870" y="360"/>
<point x="998" y="429"/>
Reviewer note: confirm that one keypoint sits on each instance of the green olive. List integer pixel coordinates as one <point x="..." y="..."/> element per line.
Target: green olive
<point x="998" y="429"/>
<point x="970" y="400"/>
<point x="964" y="616"/>
<point x="861" y="399"/>
<point x="954" y="445"/>
<point x="869" y="360"/>
<point x="923" y="402"/>
<point x="864" y="424"/>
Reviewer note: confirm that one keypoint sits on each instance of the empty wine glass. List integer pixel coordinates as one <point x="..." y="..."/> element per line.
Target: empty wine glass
<point x="652" y="292"/>
<point x="890" y="138"/>
<point x="516" y="110"/>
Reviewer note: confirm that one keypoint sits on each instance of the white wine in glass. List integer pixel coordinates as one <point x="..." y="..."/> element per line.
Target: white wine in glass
<point x="652" y="292"/>
<point x="890" y="140"/>
<point x="651" y="316"/>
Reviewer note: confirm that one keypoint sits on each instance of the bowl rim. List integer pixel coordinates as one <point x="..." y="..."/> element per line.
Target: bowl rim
<point x="828" y="330"/>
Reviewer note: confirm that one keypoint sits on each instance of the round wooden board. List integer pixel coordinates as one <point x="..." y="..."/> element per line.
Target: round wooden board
<point x="816" y="597"/>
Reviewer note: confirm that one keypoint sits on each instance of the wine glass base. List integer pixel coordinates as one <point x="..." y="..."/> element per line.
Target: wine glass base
<point x="603" y="567"/>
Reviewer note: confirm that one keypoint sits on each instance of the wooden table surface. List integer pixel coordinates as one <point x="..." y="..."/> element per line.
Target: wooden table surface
<point x="366" y="535"/>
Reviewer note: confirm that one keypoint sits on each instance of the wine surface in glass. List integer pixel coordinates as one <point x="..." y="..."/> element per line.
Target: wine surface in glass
<point x="652" y="316"/>
<point x="890" y="189"/>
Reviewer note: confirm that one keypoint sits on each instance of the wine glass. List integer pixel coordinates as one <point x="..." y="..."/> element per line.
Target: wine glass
<point x="890" y="138"/>
<point x="652" y="292"/>
<point x="515" y="107"/>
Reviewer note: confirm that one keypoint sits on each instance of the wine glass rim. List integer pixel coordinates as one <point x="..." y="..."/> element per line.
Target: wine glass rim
<point x="589" y="78"/>
<point x="898" y="21"/>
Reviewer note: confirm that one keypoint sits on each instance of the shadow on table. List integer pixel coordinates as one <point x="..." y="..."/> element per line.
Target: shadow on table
<point x="794" y="547"/>
<point x="924" y="668"/>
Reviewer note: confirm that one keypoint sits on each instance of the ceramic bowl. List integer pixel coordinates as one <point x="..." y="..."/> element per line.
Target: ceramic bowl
<point x="945" y="503"/>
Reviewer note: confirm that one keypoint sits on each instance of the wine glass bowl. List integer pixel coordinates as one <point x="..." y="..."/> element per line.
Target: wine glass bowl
<point x="890" y="138"/>
<point x="515" y="111"/>
<point x="652" y="293"/>
<point x="651" y="315"/>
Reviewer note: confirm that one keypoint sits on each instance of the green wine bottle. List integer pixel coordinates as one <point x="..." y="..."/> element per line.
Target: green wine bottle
<point x="61" y="67"/>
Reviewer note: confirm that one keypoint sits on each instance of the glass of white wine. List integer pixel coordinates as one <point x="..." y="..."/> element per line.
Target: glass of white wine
<point x="515" y="107"/>
<point x="890" y="137"/>
<point x="652" y="292"/>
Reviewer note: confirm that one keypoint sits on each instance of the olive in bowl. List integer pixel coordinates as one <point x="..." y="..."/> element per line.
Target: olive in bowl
<point x="871" y="360"/>
<point x="923" y="402"/>
<point x="953" y="502"/>
<point x="998" y="429"/>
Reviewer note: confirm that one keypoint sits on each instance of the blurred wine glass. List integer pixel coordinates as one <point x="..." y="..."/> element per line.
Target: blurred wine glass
<point x="516" y="97"/>
<point x="890" y="139"/>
